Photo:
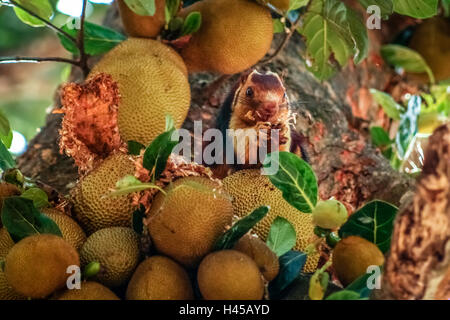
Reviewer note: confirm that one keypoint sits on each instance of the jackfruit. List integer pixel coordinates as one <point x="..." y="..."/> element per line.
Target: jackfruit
<point x="281" y="4"/>
<point x="93" y="208"/>
<point x="36" y="266"/>
<point x="136" y="25"/>
<point x="185" y="223"/>
<point x="89" y="290"/>
<point x="117" y="251"/>
<point x="251" y="190"/>
<point x="329" y="214"/>
<point x="265" y="259"/>
<point x="7" y="190"/>
<point x="352" y="256"/>
<point x="152" y="81"/>
<point x="229" y="275"/>
<point x="6" y="291"/>
<point x="71" y="231"/>
<point x="234" y="35"/>
<point x="6" y="243"/>
<point x="159" y="278"/>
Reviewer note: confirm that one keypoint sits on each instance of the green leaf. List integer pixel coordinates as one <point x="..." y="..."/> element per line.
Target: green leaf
<point x="297" y="4"/>
<point x="130" y="184"/>
<point x="358" y="33"/>
<point x="38" y="196"/>
<point x="409" y="126"/>
<point x="386" y="6"/>
<point x="278" y="26"/>
<point x="295" y="178"/>
<point x="157" y="153"/>
<point x="373" y="222"/>
<point x="7" y="140"/>
<point x="135" y="147"/>
<point x="171" y="9"/>
<point x="97" y="39"/>
<point x="142" y="7"/>
<point x="138" y="220"/>
<point x="380" y="137"/>
<point x="282" y="236"/>
<point x="291" y="263"/>
<point x="240" y="228"/>
<point x="170" y="124"/>
<point x="446" y="7"/>
<point x="420" y="9"/>
<point x="22" y="219"/>
<point x="42" y="8"/>
<point x="392" y="108"/>
<point x="360" y="285"/>
<point x="344" y="295"/>
<point x="407" y="59"/>
<point x="6" y="159"/>
<point x="5" y="128"/>
<point x="192" y="23"/>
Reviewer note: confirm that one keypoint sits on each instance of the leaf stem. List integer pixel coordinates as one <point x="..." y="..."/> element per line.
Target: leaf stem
<point x="13" y="3"/>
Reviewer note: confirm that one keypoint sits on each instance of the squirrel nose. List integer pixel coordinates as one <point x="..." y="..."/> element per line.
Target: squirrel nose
<point x="269" y="108"/>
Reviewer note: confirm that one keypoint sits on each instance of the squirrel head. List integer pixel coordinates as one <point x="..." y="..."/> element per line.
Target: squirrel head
<point x="261" y="97"/>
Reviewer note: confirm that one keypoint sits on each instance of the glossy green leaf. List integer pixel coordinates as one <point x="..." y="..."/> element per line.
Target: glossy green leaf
<point x="135" y="147"/>
<point x="38" y="196"/>
<point x="282" y="236"/>
<point x="22" y="219"/>
<point x="97" y="39"/>
<point x="6" y="159"/>
<point x="192" y="23"/>
<point x="7" y="140"/>
<point x="420" y="9"/>
<point x="130" y="184"/>
<point x="297" y="4"/>
<point x="171" y="9"/>
<point x="344" y="295"/>
<point x="142" y="7"/>
<point x="358" y="33"/>
<point x="240" y="228"/>
<point x="407" y="59"/>
<point x="386" y="6"/>
<point x="373" y="222"/>
<point x="409" y="126"/>
<point x="291" y="263"/>
<point x="380" y="137"/>
<point x="392" y="108"/>
<point x="5" y="128"/>
<point x="42" y="8"/>
<point x="295" y="178"/>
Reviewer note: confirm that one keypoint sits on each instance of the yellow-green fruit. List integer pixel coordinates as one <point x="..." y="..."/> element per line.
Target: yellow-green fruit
<point x="70" y="230"/>
<point x="117" y="251"/>
<point x="159" y="278"/>
<point x="142" y="26"/>
<point x="329" y="214"/>
<point x="352" y="256"/>
<point x="234" y="35"/>
<point x="265" y="259"/>
<point x="429" y="121"/>
<point x="7" y="190"/>
<point x="37" y="265"/>
<point x="90" y="290"/>
<point x="229" y="275"/>
<point x="6" y="243"/>
<point x="93" y="208"/>
<point x="186" y="222"/>
<point x="280" y="4"/>
<point x="251" y="190"/>
<point x="152" y="83"/>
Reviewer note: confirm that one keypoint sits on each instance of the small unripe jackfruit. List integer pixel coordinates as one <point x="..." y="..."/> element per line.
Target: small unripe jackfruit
<point x="186" y="222"/>
<point x="159" y="278"/>
<point x="89" y="290"/>
<point x="152" y="83"/>
<point x="352" y="256"/>
<point x="117" y="251"/>
<point x="37" y="265"/>
<point x="93" y="207"/>
<point x="329" y="214"/>
<point x="234" y="35"/>
<point x="229" y="275"/>
<point x="251" y="190"/>
<point x="142" y="26"/>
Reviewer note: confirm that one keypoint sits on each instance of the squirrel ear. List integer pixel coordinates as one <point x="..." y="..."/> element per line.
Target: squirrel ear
<point x="245" y="75"/>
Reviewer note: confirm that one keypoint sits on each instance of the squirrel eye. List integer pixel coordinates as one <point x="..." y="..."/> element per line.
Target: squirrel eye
<point x="249" y="93"/>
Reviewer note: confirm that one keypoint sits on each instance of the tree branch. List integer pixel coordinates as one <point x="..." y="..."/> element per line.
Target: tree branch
<point x="80" y="42"/>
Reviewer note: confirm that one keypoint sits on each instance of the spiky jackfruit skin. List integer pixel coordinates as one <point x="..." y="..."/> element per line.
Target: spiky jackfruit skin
<point x="280" y="4"/>
<point x="6" y="291"/>
<point x="93" y="208"/>
<point x="136" y="25"/>
<point x="152" y="83"/>
<point x="250" y="190"/>
<point x="185" y="223"/>
<point x="90" y="290"/>
<point x="352" y="256"/>
<point x="265" y="259"/>
<point x="6" y="243"/>
<point x="117" y="251"/>
<point x="229" y="275"/>
<point x="234" y="35"/>
<point x="37" y="265"/>
<point x="70" y="230"/>
<point x="159" y="278"/>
